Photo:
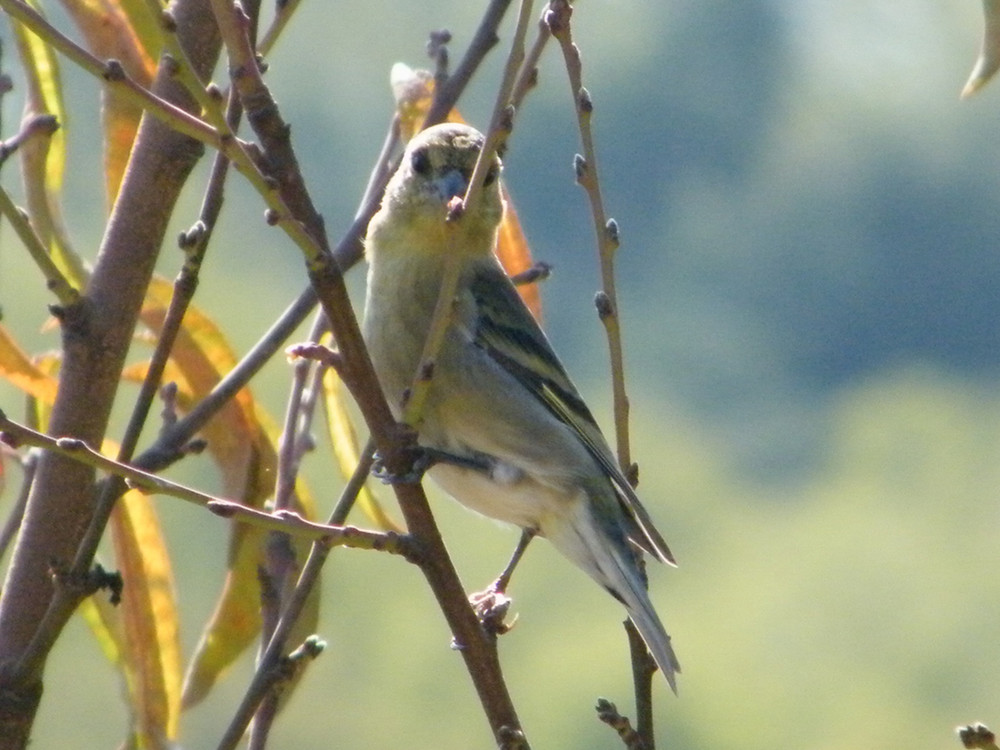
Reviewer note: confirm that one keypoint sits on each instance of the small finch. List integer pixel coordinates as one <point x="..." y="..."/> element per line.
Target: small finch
<point x="524" y="448"/>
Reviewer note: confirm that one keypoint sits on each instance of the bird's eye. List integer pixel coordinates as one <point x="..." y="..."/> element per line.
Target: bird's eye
<point x="420" y="162"/>
<point x="491" y="176"/>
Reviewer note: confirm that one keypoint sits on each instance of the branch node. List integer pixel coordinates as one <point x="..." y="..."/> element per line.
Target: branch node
<point x="316" y="352"/>
<point x="193" y="236"/>
<point x="584" y="102"/>
<point x="613" y="233"/>
<point x="114" y="71"/>
<point x="94" y="580"/>
<point x="511" y="738"/>
<point x="556" y="17"/>
<point x="215" y="93"/>
<point x="580" y="167"/>
<point x="170" y="64"/>
<point x="603" y="304"/>
<point x="70" y="444"/>
<point x="608" y="713"/>
<point x="976" y="735"/>
<point x="168" y="22"/>
<point x="540" y="271"/>
<point x="272" y="217"/>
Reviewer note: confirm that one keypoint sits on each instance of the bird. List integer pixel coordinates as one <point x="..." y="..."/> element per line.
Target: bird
<point x="518" y="441"/>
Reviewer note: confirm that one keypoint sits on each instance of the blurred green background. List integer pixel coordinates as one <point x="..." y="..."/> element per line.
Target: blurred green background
<point x="810" y="285"/>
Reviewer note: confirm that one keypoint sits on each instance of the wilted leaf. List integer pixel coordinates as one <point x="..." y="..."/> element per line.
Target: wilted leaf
<point x="203" y="355"/>
<point x="148" y="612"/>
<point x="414" y="92"/>
<point x="17" y="367"/>
<point x="345" y="448"/>
<point x="241" y="439"/>
<point x="146" y="28"/>
<point x="109" y="34"/>
<point x="989" y="53"/>
<point x="43" y="160"/>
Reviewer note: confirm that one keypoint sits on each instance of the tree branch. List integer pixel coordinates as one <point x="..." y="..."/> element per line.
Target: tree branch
<point x="97" y="331"/>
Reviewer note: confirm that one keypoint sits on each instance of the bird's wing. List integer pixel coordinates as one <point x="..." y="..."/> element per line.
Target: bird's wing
<point x="506" y="331"/>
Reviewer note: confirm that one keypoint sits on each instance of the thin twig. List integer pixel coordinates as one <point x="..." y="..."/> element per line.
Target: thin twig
<point x="28" y="466"/>
<point x="501" y="123"/>
<point x="261" y="684"/>
<point x="280" y="563"/>
<point x="396" y="446"/>
<point x="55" y="279"/>
<point x="113" y="74"/>
<point x="40" y="124"/>
<point x="502" y="119"/>
<point x="527" y="78"/>
<point x="283" y="14"/>
<point x="557" y="19"/>
<point x="195" y="244"/>
<point x="482" y="42"/>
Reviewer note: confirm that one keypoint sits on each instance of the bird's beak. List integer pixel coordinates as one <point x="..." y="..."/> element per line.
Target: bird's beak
<point x="451" y="183"/>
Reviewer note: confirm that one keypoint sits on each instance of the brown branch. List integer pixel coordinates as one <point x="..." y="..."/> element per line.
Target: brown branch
<point x="395" y="446"/>
<point x="97" y="331"/>
<point x="608" y="713"/>
<point x="485" y="38"/>
<point x="37" y="125"/>
<point x="28" y="466"/>
<point x="113" y="74"/>
<point x="977" y="735"/>
<point x="557" y="19"/>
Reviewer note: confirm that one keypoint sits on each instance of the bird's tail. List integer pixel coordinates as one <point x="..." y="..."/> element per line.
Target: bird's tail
<point x="609" y="559"/>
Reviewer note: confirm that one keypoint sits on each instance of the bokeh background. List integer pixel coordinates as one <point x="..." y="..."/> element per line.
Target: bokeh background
<point x="810" y="284"/>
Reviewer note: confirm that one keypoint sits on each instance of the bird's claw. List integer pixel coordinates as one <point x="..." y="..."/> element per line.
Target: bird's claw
<point x="491" y="607"/>
<point x="421" y="463"/>
<point x="426" y="458"/>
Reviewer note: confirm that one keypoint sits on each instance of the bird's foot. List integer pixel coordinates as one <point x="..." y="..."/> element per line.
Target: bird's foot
<point x="491" y="607"/>
<point x="426" y="458"/>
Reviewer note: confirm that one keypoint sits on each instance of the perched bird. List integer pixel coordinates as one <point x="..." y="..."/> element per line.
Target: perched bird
<point x="523" y="446"/>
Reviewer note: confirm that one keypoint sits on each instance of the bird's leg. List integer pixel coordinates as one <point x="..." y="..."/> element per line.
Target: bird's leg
<point x="492" y="604"/>
<point x="500" y="584"/>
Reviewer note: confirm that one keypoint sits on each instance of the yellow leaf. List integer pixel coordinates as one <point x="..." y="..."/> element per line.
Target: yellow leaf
<point x="202" y="354"/>
<point x="413" y="91"/>
<point x="43" y="160"/>
<point x="344" y="440"/>
<point x="989" y="54"/>
<point x="148" y="612"/>
<point x="109" y="34"/>
<point x="241" y="439"/>
<point x="18" y="368"/>
<point x="233" y="625"/>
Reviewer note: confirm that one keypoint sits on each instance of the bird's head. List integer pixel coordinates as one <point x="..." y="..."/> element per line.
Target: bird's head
<point x="436" y="168"/>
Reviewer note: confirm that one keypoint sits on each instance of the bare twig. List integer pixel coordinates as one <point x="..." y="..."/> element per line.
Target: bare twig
<point x="977" y="735"/>
<point x="501" y="123"/>
<point x="261" y="684"/>
<point x="40" y="124"/>
<point x="194" y="242"/>
<point x="283" y="14"/>
<point x="395" y="445"/>
<point x="608" y="713"/>
<point x="527" y="78"/>
<point x="557" y="19"/>
<point x="482" y="42"/>
<point x="28" y="466"/>
<point x="56" y="281"/>
<point x="113" y="74"/>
